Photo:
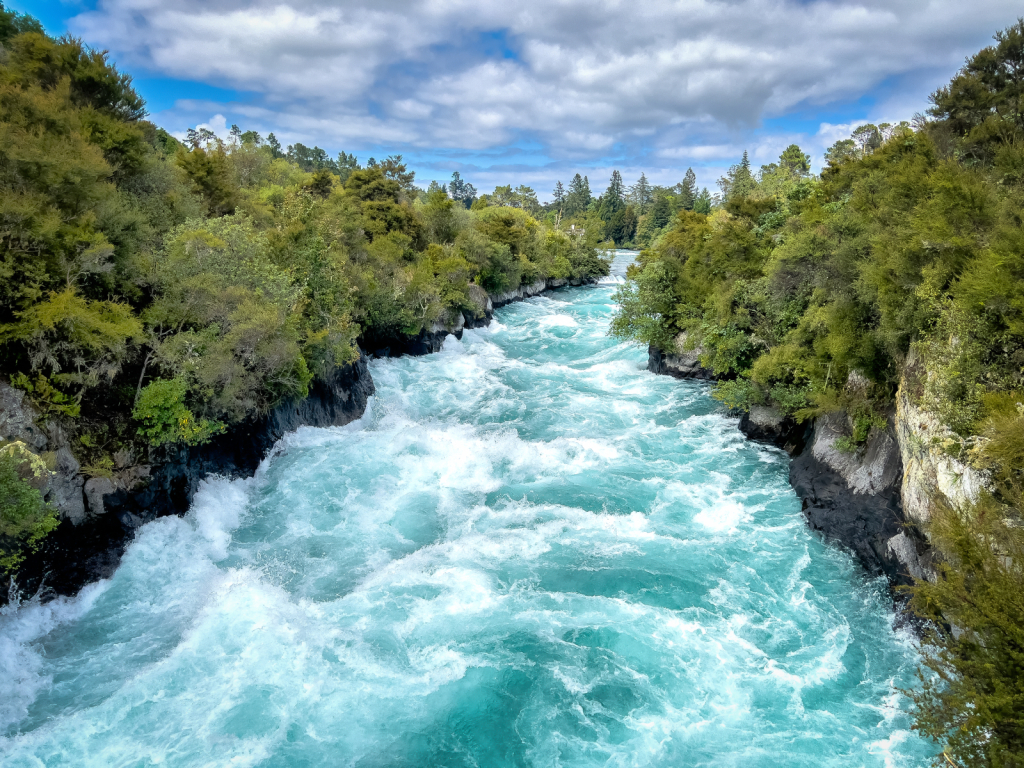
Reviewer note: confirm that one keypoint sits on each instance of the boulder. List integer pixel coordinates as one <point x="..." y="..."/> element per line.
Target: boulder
<point x="18" y="419"/>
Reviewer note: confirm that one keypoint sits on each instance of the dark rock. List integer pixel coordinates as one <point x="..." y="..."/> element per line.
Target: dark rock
<point x="862" y="522"/>
<point x="96" y="488"/>
<point x="18" y="419"/>
<point x="765" y="425"/>
<point x="684" y="366"/>
<point x="74" y="555"/>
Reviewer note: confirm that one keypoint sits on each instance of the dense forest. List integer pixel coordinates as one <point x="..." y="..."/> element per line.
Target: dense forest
<point x="909" y="245"/>
<point x="155" y="292"/>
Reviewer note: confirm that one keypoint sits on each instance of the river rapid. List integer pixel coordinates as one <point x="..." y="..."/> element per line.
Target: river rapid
<point x="529" y="552"/>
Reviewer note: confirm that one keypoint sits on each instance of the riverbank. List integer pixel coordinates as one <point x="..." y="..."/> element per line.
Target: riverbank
<point x="100" y="514"/>
<point x="855" y="499"/>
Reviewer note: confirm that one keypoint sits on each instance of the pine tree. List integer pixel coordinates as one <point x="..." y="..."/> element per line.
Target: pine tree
<point x="702" y="203"/>
<point x="578" y="199"/>
<point x="688" y="190"/>
<point x="559" y="195"/>
<point x="275" y="145"/>
<point x="795" y="160"/>
<point x="641" y="195"/>
<point x="739" y="182"/>
<point x="614" y="198"/>
<point x="461" y="190"/>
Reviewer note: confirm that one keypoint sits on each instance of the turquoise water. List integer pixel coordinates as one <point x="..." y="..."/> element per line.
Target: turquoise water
<point x="529" y="552"/>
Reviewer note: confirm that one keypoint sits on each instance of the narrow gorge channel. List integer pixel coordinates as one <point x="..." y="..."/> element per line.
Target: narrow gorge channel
<point x="529" y="551"/>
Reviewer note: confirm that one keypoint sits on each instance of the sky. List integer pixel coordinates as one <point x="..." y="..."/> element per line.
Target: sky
<point x="534" y="91"/>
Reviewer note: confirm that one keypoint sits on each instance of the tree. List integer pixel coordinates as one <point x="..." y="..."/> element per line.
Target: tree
<point x="521" y="197"/>
<point x="641" y="195"/>
<point x="867" y="138"/>
<point x="24" y="517"/>
<point x="840" y="152"/>
<point x="212" y="177"/>
<point x="578" y="199"/>
<point x="558" y="195"/>
<point x="688" y="190"/>
<point x="275" y="145"/>
<point x="13" y="24"/>
<point x="461" y="190"/>
<point x="973" y="698"/>
<point x="346" y="163"/>
<point x="313" y="159"/>
<point x="984" y="103"/>
<point x="702" y="204"/>
<point x="615" y="196"/>
<point x="739" y="181"/>
<point x="439" y="215"/>
<point x="661" y="212"/>
<point x="795" y="161"/>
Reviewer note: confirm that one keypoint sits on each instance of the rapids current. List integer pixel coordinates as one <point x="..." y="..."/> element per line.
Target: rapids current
<point x="529" y="552"/>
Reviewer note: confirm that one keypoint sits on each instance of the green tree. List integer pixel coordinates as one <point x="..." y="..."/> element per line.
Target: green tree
<point x="984" y="104"/>
<point x="558" y="196"/>
<point x="578" y="199"/>
<point x="688" y="190"/>
<point x="702" y="203"/>
<point x="13" y="24"/>
<point x="212" y="176"/>
<point x="739" y="181"/>
<point x="25" y="518"/>
<point x="461" y="190"/>
<point x="795" y="161"/>
<point x="641" y="195"/>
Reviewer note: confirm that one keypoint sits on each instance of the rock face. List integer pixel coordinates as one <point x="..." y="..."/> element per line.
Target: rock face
<point x="18" y="420"/>
<point x="101" y="514"/>
<point x="683" y="364"/>
<point x="854" y="498"/>
<point x="933" y="470"/>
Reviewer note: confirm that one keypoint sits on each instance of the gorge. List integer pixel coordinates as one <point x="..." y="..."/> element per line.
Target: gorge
<point x="528" y="550"/>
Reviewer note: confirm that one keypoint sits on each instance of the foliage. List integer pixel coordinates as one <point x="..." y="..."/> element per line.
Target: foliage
<point x="25" y="518"/>
<point x="45" y="396"/>
<point x="197" y="284"/>
<point x="972" y="696"/>
<point x="164" y="418"/>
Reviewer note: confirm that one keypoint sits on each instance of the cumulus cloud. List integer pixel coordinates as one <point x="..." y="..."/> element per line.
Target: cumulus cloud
<point x="578" y="76"/>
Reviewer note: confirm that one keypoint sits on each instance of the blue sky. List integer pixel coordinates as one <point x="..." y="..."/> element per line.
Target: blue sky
<point x="537" y="90"/>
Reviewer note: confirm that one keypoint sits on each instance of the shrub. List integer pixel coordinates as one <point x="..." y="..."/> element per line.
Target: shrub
<point x="25" y="518"/>
<point x="166" y="419"/>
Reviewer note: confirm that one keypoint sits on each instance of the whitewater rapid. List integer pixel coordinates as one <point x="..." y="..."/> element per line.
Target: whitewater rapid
<point x="529" y="552"/>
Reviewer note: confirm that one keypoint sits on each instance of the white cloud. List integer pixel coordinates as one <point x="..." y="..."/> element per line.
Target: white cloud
<point x="681" y="78"/>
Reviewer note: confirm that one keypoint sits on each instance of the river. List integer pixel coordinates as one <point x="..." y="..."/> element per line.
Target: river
<point x="529" y="552"/>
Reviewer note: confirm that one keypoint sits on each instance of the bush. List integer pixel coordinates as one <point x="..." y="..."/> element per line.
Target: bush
<point x="165" y="417"/>
<point x="25" y="518"/>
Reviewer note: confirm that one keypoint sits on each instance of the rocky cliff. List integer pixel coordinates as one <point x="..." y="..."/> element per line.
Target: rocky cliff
<point x="873" y="499"/>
